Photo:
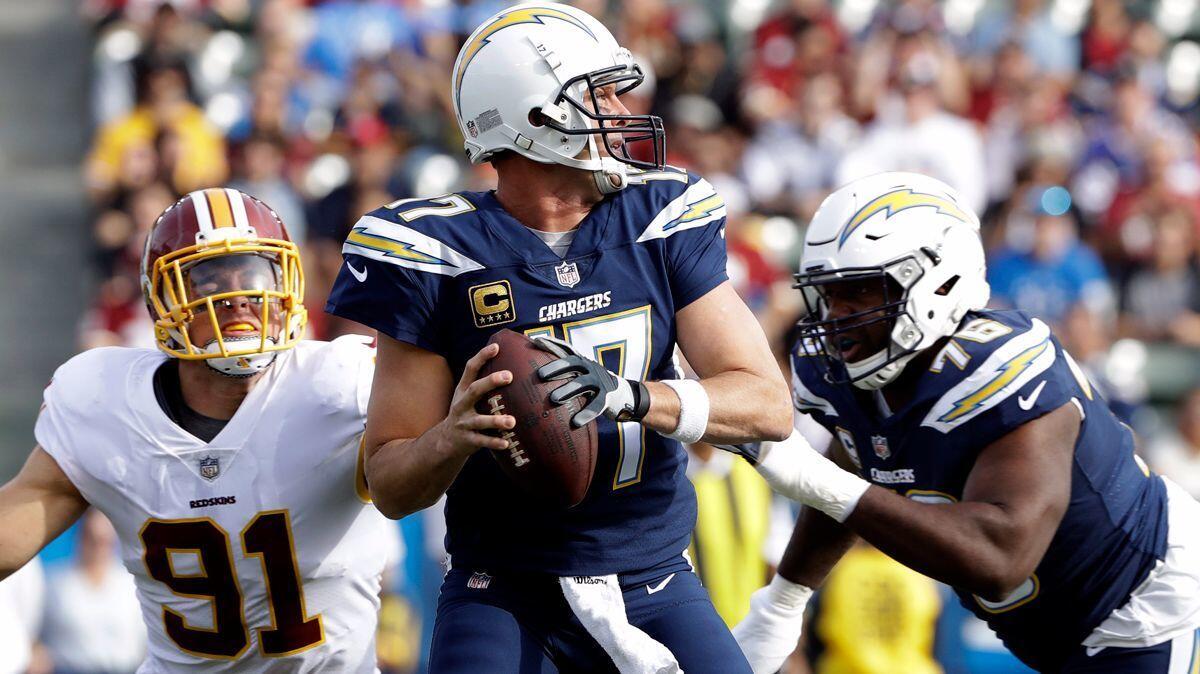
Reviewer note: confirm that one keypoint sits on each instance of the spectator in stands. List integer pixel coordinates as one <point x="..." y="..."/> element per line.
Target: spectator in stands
<point x="733" y="528"/>
<point x="789" y="165"/>
<point x="261" y="174"/>
<point x="1161" y="300"/>
<point x="164" y="107"/>
<point x="93" y="621"/>
<point x="21" y="602"/>
<point x="874" y="616"/>
<point x="1044" y="269"/>
<point x="1176" y="454"/>
<point x="914" y="132"/>
<point x="1029" y="26"/>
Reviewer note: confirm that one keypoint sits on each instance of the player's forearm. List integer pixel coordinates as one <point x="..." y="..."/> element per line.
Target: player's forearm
<point x="980" y="547"/>
<point x="816" y="546"/>
<point x="408" y="475"/>
<point x="30" y="520"/>
<point x="742" y="406"/>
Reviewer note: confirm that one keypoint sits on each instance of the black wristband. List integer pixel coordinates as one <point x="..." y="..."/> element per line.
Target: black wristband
<point x="641" y="400"/>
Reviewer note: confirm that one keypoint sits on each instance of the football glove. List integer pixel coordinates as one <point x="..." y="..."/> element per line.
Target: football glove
<point x="616" y="398"/>
<point x="770" y="631"/>
<point x="749" y="451"/>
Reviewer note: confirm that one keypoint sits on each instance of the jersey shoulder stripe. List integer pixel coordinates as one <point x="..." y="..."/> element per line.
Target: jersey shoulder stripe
<point x="698" y="205"/>
<point x="1005" y="370"/>
<point x="803" y="398"/>
<point x="401" y="245"/>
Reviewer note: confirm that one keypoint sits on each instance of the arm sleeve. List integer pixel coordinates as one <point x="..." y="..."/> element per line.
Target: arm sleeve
<point x="398" y="302"/>
<point x="53" y="434"/>
<point x="1038" y="397"/>
<point x="696" y="262"/>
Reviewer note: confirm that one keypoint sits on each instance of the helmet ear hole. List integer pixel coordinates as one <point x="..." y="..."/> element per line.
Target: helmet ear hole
<point x="537" y="118"/>
<point x="946" y="288"/>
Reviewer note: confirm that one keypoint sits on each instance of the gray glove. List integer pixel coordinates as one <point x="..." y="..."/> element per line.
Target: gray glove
<point x="616" y="398"/>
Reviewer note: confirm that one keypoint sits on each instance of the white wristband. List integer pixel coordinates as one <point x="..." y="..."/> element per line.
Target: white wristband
<point x="693" y="410"/>
<point x="796" y="470"/>
<point x="788" y="596"/>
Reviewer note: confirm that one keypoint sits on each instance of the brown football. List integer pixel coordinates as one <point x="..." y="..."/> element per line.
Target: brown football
<point x="545" y="456"/>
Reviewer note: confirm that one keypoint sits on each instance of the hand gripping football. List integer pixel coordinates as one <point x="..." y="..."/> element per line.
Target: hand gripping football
<point x="545" y="456"/>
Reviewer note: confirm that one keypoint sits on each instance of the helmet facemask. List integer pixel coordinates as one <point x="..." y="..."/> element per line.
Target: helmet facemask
<point x="629" y="128"/>
<point x="247" y="295"/>
<point x="823" y="336"/>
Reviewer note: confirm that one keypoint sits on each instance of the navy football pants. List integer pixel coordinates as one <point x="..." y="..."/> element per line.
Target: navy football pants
<point x="1178" y="656"/>
<point x="522" y="624"/>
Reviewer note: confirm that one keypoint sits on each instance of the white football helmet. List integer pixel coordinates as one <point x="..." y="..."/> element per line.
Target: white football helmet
<point x="526" y="81"/>
<point x="918" y="237"/>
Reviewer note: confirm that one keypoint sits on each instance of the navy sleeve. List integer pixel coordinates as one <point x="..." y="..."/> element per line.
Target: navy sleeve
<point x="398" y="302"/>
<point x="696" y="262"/>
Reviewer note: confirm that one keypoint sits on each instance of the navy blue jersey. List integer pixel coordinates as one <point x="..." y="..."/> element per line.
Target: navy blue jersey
<point x="1000" y="370"/>
<point x="444" y="274"/>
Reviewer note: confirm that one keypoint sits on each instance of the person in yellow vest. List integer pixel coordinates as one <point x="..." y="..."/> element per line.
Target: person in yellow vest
<point x="731" y="541"/>
<point x="875" y="616"/>
<point x="191" y="151"/>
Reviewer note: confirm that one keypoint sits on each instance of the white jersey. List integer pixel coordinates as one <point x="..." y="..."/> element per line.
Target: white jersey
<point x="256" y="552"/>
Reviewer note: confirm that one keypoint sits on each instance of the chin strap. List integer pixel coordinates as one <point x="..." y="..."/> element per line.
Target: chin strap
<point x="612" y="176"/>
<point x="240" y="366"/>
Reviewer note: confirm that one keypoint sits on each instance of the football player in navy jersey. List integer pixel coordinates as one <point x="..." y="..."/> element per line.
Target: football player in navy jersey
<point x="972" y="449"/>
<point x="607" y="261"/>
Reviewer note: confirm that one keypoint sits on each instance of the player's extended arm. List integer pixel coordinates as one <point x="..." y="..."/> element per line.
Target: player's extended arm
<point x="748" y="398"/>
<point x="771" y="629"/>
<point x="988" y="543"/>
<point x="35" y="507"/>
<point x="992" y="540"/>
<point x="421" y="427"/>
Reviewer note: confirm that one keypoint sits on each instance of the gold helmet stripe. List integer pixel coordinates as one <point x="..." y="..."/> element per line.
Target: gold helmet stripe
<point x="220" y="207"/>
<point x="240" y="219"/>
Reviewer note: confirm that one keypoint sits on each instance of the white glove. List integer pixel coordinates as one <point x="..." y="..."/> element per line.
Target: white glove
<point x="796" y="470"/>
<point x="771" y="630"/>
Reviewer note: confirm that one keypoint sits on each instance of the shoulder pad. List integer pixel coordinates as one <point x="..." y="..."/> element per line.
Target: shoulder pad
<point x="678" y="206"/>
<point x="414" y="233"/>
<point x="808" y="385"/>
<point x="85" y="385"/>
<point x="989" y="359"/>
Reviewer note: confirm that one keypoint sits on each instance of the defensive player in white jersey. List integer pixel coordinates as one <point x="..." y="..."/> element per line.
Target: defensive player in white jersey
<point x="228" y="460"/>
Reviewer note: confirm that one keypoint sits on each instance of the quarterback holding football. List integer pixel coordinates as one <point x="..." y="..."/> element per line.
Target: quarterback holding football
<point x="975" y="451"/>
<point x="228" y="460"/>
<point x="606" y="260"/>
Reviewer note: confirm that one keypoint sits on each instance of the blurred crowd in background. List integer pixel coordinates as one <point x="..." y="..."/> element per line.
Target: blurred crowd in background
<point x="1069" y="125"/>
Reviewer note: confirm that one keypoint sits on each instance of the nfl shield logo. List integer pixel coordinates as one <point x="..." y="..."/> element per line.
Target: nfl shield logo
<point x="210" y="468"/>
<point x="881" y="446"/>
<point x="479" y="581"/>
<point x="568" y="274"/>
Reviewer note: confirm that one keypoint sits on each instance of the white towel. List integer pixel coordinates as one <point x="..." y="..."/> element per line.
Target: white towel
<point x="599" y="605"/>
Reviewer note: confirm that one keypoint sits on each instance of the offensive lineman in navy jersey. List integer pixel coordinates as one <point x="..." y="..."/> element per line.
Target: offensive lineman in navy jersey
<point x="981" y="455"/>
<point x="608" y="262"/>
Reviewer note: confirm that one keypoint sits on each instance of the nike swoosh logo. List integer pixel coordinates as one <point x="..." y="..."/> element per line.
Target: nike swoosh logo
<point x="360" y="275"/>
<point x="651" y="589"/>
<point x="1027" y="403"/>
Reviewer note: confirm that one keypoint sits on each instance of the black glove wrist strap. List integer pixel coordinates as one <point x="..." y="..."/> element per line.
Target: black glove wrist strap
<point x="641" y="402"/>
